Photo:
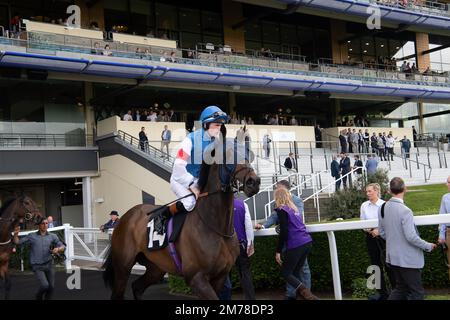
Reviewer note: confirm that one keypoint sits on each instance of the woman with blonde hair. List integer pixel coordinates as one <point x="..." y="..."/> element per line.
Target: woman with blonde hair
<point x="295" y="238"/>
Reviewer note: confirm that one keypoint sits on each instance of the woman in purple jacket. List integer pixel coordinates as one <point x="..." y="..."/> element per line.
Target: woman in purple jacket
<point x="295" y="238"/>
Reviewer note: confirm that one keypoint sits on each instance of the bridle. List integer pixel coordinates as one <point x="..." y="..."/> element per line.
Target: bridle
<point x="29" y="214"/>
<point x="230" y="186"/>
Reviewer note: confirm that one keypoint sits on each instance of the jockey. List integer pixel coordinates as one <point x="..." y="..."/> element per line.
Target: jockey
<point x="189" y="158"/>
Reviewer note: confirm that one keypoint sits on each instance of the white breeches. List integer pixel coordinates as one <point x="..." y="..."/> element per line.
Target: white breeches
<point x="180" y="191"/>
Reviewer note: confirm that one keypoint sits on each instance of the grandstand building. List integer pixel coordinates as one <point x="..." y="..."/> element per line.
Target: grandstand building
<point x="287" y="65"/>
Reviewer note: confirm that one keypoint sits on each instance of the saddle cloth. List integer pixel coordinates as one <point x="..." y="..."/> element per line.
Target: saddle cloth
<point x="159" y="241"/>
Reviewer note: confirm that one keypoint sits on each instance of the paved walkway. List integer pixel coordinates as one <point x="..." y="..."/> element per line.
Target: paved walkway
<point x="24" y="287"/>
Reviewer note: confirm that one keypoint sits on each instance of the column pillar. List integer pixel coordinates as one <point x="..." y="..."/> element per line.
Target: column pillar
<point x="420" y="114"/>
<point x="422" y="44"/>
<point x="89" y="114"/>
<point x="232" y="104"/>
<point x="87" y="202"/>
<point x="232" y="14"/>
<point x="339" y="51"/>
<point x="335" y="111"/>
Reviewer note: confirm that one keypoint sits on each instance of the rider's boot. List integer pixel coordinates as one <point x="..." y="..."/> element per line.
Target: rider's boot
<point x="169" y="211"/>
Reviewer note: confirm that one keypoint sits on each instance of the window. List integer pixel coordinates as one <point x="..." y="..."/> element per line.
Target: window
<point x="166" y="17"/>
<point x="190" y="40"/>
<point x="253" y="32"/>
<point x="271" y="32"/>
<point x="288" y="34"/>
<point x="212" y="23"/>
<point x="189" y="20"/>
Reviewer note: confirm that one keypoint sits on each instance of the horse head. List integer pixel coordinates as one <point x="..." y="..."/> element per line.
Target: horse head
<point x="234" y="159"/>
<point x="26" y="209"/>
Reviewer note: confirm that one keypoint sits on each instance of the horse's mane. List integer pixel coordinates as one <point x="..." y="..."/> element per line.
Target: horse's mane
<point x="6" y="205"/>
<point x="203" y="176"/>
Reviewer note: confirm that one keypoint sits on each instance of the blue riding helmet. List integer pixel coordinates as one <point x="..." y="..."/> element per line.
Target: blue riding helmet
<point x="213" y="114"/>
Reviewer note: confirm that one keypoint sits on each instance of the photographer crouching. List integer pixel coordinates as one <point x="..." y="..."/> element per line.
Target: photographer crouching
<point x="41" y="244"/>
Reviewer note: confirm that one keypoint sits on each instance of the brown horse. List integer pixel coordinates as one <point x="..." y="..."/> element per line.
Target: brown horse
<point x="207" y="245"/>
<point x="12" y="213"/>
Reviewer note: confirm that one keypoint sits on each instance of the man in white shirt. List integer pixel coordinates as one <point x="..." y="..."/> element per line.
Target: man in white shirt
<point x="390" y="141"/>
<point x="153" y="116"/>
<point x="128" y="116"/>
<point x="376" y="246"/>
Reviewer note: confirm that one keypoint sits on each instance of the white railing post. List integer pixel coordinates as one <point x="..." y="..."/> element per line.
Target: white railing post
<point x="335" y="266"/>
<point x="68" y="236"/>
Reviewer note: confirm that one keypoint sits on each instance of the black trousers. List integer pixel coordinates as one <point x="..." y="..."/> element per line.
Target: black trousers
<point x="344" y="179"/>
<point x="408" y="284"/>
<point x="294" y="260"/>
<point x="377" y="248"/>
<point x="338" y="183"/>
<point x="245" y="275"/>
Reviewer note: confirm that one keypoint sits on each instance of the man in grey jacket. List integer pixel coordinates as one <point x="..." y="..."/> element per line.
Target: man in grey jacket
<point x="404" y="247"/>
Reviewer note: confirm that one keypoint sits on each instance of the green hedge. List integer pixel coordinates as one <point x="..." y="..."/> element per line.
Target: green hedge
<point x="353" y="262"/>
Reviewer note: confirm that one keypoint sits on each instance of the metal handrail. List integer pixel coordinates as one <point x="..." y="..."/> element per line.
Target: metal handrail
<point x="312" y="179"/>
<point x="167" y="159"/>
<point x="315" y="195"/>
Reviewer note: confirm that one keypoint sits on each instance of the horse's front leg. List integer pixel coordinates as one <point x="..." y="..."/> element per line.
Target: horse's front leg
<point x="199" y="283"/>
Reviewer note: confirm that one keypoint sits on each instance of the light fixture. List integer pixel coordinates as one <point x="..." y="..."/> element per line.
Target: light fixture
<point x="99" y="200"/>
<point x="350" y="49"/>
<point x="367" y="43"/>
<point x="348" y="41"/>
<point x="365" y="51"/>
<point x="382" y="46"/>
<point x="62" y="192"/>
<point x="397" y="48"/>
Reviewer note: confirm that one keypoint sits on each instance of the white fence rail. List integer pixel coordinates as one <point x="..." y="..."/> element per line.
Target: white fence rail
<point x="91" y="244"/>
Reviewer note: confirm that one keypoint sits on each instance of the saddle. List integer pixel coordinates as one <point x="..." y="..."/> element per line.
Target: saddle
<point x="172" y="229"/>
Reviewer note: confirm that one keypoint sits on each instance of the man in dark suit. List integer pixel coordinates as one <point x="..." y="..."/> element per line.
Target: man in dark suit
<point x="172" y="116"/>
<point x="291" y="166"/>
<point x="289" y="162"/>
<point x="111" y="224"/>
<point x="406" y="146"/>
<point x="343" y="142"/>
<point x="335" y="172"/>
<point x="345" y="168"/>
<point x="143" y="140"/>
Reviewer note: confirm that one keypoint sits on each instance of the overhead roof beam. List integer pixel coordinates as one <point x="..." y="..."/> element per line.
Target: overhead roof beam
<point x="401" y="28"/>
<point x="290" y="8"/>
<point x="444" y="46"/>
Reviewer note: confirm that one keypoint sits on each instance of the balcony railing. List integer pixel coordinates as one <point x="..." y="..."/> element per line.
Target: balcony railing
<point x="429" y="7"/>
<point x="22" y="140"/>
<point x="234" y="62"/>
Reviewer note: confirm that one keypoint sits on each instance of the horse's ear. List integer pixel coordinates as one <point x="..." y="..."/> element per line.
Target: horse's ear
<point x="223" y="131"/>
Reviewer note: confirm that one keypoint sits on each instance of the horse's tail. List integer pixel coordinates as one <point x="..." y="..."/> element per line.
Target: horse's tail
<point x="108" y="273"/>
